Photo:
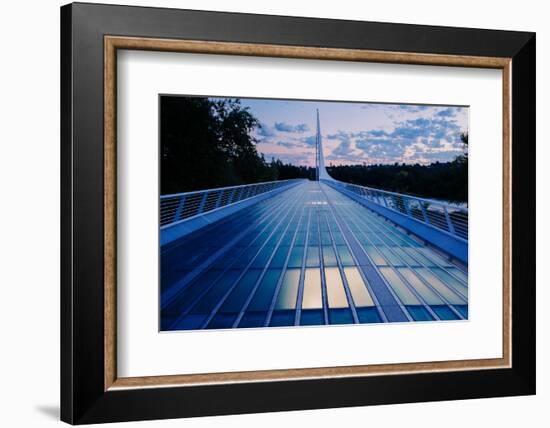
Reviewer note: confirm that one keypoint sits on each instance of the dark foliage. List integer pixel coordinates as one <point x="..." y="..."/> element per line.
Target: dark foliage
<point x="448" y="180"/>
<point x="286" y="171"/>
<point x="208" y="144"/>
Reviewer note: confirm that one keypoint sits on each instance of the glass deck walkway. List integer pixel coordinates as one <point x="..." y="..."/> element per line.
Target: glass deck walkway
<point x="309" y="255"/>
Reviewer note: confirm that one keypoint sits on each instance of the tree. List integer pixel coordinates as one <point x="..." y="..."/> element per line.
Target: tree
<point x="439" y="180"/>
<point x="208" y="143"/>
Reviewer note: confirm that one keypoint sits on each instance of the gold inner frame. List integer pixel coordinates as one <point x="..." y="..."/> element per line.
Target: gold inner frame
<point x="113" y="43"/>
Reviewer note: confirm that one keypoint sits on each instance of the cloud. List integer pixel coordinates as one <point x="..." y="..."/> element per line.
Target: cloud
<point x="287" y="144"/>
<point x="286" y="127"/>
<point x="421" y="139"/>
<point x="343" y="149"/>
<point x="265" y="131"/>
<point x="448" y="112"/>
<point x="392" y="133"/>
<point x="412" y="108"/>
<point x="309" y="140"/>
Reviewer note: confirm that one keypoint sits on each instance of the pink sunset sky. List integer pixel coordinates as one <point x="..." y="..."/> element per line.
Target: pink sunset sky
<point x="357" y="133"/>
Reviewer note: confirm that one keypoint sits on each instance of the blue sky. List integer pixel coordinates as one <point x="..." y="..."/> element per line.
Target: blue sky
<point x="355" y="133"/>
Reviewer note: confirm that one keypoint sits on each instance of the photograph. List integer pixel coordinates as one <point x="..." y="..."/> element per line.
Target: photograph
<point x="267" y="209"/>
<point x="293" y="213"/>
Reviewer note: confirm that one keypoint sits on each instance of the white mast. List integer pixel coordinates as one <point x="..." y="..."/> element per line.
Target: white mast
<point x="321" y="172"/>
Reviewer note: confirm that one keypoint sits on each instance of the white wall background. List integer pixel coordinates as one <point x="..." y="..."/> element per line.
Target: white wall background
<point x="29" y="218"/>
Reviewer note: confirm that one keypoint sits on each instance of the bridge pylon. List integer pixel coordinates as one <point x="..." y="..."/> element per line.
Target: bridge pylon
<point x="320" y="170"/>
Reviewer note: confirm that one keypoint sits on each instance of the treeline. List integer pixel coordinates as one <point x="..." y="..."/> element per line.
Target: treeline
<point x="440" y="180"/>
<point x="286" y="171"/>
<point x="208" y="143"/>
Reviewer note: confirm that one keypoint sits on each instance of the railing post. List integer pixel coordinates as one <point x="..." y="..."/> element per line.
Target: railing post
<point x="203" y="201"/>
<point x="181" y="204"/>
<point x="219" y="199"/>
<point x="230" y="198"/>
<point x="449" y="222"/>
<point x="407" y="208"/>
<point x="426" y="220"/>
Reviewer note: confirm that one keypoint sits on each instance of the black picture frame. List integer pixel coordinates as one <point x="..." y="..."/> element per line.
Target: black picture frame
<point x="83" y="396"/>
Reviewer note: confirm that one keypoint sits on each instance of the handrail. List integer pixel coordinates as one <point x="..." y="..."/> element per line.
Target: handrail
<point x="183" y="206"/>
<point x="447" y="217"/>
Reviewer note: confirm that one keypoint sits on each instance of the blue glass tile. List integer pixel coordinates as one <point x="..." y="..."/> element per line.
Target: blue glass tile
<point x="313" y="239"/>
<point x="340" y="316"/>
<point x="312" y="317"/>
<point x="444" y="312"/>
<point x="261" y="259"/>
<point x="282" y="318"/>
<point x="227" y="259"/>
<point x="394" y="313"/>
<point x="253" y="319"/>
<point x="222" y="320"/>
<point x="419" y="313"/>
<point x="240" y="293"/>
<point x="338" y="238"/>
<point x="329" y="256"/>
<point x="463" y="309"/>
<point x="167" y="320"/>
<point x="368" y="315"/>
<point x="279" y="258"/>
<point x="244" y="259"/>
<point x="452" y="281"/>
<point x="391" y="256"/>
<point x="289" y="236"/>
<point x="190" y="322"/>
<point x="209" y="301"/>
<point x="300" y="238"/>
<point x="312" y="259"/>
<point x="264" y="294"/>
<point x="296" y="257"/>
<point x="326" y="239"/>
<point x="286" y="298"/>
<point x="345" y="255"/>
<point x="186" y="298"/>
<point x="170" y="278"/>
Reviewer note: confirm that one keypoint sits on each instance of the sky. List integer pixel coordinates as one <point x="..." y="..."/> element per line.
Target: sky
<point x="357" y="133"/>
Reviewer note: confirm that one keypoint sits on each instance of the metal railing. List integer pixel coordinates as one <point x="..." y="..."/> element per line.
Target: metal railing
<point x="447" y="217"/>
<point x="182" y="206"/>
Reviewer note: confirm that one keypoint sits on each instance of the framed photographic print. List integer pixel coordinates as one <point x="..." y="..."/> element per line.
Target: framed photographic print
<point x="265" y="213"/>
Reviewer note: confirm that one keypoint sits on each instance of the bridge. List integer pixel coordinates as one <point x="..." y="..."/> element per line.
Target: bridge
<point x="301" y="252"/>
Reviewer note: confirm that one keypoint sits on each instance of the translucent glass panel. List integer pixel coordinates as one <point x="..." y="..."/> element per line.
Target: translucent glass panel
<point x="312" y="259"/>
<point x="360" y="294"/>
<point x="289" y="289"/>
<point x="336" y="295"/>
<point x="209" y="301"/>
<point x="345" y="255"/>
<point x="296" y="257"/>
<point x="264" y="294"/>
<point x="329" y="256"/>
<point x="375" y="256"/>
<point x="419" y="313"/>
<point x="312" y="297"/>
<point x="279" y="257"/>
<point x="240" y="293"/>
<point x="298" y="249"/>
<point x="452" y="297"/>
<point x="458" y="286"/>
<point x="405" y="295"/>
<point x="312" y="317"/>
<point x="427" y="294"/>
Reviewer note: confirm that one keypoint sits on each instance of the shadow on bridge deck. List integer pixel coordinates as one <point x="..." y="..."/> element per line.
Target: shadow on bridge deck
<point x="307" y="256"/>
